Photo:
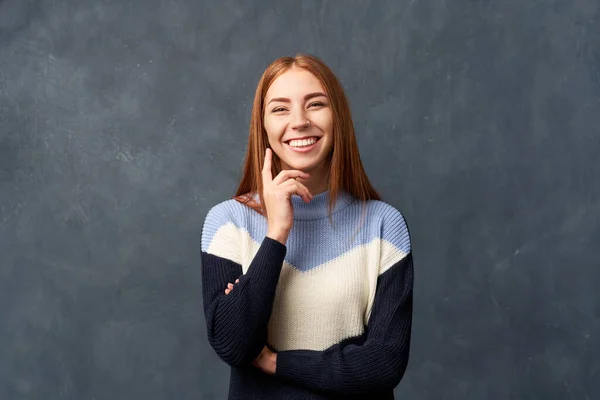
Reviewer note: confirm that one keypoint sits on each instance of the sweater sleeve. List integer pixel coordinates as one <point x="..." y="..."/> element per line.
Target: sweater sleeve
<point x="378" y="362"/>
<point x="237" y="323"/>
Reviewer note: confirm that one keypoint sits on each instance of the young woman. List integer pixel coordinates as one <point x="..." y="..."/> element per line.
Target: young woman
<point x="307" y="274"/>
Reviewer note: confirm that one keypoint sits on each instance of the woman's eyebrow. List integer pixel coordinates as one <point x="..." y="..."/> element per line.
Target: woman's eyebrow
<point x="308" y="96"/>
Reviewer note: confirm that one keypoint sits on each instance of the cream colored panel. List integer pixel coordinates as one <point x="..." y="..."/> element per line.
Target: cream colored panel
<point x="225" y="243"/>
<point x="320" y="307"/>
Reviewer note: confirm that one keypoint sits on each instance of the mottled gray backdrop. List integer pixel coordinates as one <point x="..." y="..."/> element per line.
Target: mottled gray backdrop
<point x="123" y="122"/>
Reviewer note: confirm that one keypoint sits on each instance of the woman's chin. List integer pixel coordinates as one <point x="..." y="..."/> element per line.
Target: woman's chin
<point x="302" y="166"/>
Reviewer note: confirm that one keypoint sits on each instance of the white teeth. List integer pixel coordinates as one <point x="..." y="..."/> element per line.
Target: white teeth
<point x="303" y="142"/>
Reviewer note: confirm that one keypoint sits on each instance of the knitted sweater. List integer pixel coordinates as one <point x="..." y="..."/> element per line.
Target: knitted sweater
<point x="334" y="302"/>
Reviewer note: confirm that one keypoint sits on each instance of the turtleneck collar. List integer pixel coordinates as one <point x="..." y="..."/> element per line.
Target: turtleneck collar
<point x="317" y="207"/>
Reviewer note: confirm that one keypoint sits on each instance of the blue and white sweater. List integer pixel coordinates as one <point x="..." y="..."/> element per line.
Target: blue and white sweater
<point x="335" y="302"/>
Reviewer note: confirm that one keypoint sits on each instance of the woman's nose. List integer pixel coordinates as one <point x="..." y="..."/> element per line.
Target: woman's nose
<point x="301" y="126"/>
<point x="300" y="121"/>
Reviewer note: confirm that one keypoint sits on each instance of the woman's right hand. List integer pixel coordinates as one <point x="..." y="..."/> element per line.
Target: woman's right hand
<point x="278" y="198"/>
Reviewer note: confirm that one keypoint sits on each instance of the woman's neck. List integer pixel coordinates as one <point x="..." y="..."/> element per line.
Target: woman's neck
<point x="315" y="187"/>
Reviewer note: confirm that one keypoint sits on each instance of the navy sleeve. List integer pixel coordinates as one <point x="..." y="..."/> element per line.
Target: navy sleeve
<point x="237" y="323"/>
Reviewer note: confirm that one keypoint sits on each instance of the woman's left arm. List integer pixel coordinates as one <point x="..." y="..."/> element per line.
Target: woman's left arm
<point x="377" y="364"/>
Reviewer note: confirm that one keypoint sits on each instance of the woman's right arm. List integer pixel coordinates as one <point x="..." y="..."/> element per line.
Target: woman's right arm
<point x="237" y="323"/>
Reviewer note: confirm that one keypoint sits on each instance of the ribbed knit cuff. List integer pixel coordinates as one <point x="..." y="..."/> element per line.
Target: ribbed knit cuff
<point x="291" y="365"/>
<point x="285" y="365"/>
<point x="265" y="268"/>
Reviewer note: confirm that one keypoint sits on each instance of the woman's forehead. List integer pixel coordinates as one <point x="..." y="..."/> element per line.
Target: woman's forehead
<point x="294" y="84"/>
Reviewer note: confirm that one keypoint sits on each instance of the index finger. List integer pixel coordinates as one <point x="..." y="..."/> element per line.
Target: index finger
<point x="267" y="175"/>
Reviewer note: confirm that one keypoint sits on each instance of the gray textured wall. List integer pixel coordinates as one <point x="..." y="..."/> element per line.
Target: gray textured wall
<point x="123" y="122"/>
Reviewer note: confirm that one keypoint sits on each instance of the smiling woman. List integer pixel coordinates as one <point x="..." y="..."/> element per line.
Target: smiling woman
<point x="303" y="298"/>
<point x="299" y="97"/>
<point x="299" y="124"/>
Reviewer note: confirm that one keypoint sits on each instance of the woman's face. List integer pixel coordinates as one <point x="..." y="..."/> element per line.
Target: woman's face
<point x="293" y="100"/>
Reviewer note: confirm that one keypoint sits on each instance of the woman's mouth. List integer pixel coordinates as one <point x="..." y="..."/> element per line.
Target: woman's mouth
<point x="303" y="145"/>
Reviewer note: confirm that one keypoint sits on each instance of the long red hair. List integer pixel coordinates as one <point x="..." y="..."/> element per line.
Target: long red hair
<point x="346" y="171"/>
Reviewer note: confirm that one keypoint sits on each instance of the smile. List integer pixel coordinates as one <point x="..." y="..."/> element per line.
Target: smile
<point x="303" y="145"/>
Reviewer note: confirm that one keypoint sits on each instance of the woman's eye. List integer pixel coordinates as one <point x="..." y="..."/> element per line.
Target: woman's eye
<point x="316" y="103"/>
